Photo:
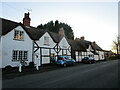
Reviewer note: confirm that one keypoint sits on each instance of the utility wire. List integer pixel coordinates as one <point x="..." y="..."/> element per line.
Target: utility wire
<point x="14" y="8"/>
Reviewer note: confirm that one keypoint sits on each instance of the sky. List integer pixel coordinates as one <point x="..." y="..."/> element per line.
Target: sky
<point x="96" y="21"/>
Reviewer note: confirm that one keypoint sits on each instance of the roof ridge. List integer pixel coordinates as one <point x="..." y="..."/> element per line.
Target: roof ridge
<point x="9" y="20"/>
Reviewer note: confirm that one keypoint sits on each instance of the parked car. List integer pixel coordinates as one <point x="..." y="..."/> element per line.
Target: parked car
<point x="65" y="60"/>
<point x="88" y="60"/>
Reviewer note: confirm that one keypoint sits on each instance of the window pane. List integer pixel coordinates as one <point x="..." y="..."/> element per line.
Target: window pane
<point x="21" y="35"/>
<point x="20" y="55"/>
<point x="15" y="55"/>
<point x="25" y="55"/>
<point x="64" y="52"/>
<point x="46" y="40"/>
<point x="16" y="34"/>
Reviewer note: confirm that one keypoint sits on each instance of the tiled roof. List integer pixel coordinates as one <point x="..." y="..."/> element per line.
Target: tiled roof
<point x="35" y="33"/>
<point x="76" y="45"/>
<point x="98" y="48"/>
<point x="56" y="37"/>
<point x="7" y="26"/>
<point x="85" y="43"/>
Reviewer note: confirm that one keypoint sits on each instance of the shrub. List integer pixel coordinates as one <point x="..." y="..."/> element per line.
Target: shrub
<point x="31" y="64"/>
<point x="113" y="57"/>
<point x="8" y="68"/>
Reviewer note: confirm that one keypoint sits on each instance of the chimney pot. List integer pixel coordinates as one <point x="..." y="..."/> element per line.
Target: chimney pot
<point x="82" y="38"/>
<point x="94" y="45"/>
<point x="26" y="19"/>
<point x="61" y="31"/>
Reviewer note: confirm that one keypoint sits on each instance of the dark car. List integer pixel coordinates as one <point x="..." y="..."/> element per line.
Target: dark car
<point x="65" y="60"/>
<point x="88" y="60"/>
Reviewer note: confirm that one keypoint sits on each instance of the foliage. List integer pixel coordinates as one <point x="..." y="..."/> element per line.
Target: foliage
<point x="31" y="64"/>
<point x="116" y="45"/>
<point x="54" y="27"/>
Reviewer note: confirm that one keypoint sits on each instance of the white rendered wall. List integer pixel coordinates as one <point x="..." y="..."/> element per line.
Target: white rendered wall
<point x="64" y="45"/>
<point x="40" y="42"/>
<point x="8" y="45"/>
<point x="96" y="57"/>
<point x="101" y="55"/>
<point x="79" y="57"/>
<point x="0" y="53"/>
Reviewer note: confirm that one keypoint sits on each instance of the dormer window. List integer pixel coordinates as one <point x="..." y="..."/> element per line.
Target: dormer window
<point x="46" y="40"/>
<point x="18" y="35"/>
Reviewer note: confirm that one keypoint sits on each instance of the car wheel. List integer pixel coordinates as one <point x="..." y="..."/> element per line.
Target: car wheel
<point x="64" y="64"/>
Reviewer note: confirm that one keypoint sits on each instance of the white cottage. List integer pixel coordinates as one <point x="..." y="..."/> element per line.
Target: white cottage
<point x="77" y="50"/>
<point x="15" y="44"/>
<point x="62" y="46"/>
<point x="99" y="51"/>
<point x="93" y="50"/>
<point x="43" y="45"/>
<point x="83" y="48"/>
<point x="48" y="45"/>
<point x="23" y="42"/>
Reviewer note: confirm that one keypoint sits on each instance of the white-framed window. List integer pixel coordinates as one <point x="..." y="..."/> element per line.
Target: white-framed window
<point x="102" y="56"/>
<point x="19" y="55"/>
<point x="25" y="55"/>
<point x="46" y="40"/>
<point x="18" y="35"/>
<point x="64" y="52"/>
<point x="80" y="53"/>
<point x="15" y="55"/>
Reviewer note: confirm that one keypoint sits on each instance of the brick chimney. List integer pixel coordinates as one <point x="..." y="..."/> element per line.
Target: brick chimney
<point x="82" y="38"/>
<point x="26" y="19"/>
<point x="94" y="45"/>
<point x="61" y="31"/>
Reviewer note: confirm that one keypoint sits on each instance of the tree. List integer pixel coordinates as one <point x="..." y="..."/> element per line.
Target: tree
<point x="41" y="26"/>
<point x="54" y="27"/>
<point x="116" y="46"/>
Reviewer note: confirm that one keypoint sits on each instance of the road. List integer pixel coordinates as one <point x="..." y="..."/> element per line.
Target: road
<point x="98" y="75"/>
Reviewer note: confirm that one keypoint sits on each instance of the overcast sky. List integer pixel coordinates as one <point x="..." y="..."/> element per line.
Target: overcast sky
<point x="96" y="21"/>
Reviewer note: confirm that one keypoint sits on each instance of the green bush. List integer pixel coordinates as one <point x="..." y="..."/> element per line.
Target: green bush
<point x="8" y="68"/>
<point x="113" y="57"/>
<point x="31" y="64"/>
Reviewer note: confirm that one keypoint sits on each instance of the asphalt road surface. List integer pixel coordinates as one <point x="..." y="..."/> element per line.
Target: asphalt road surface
<point x="98" y="75"/>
